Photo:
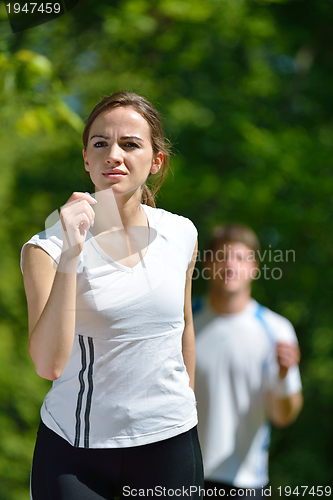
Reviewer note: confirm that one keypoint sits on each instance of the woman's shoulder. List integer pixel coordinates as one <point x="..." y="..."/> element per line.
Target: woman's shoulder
<point x="163" y="217"/>
<point x="174" y="227"/>
<point x="49" y="240"/>
<point x="52" y="234"/>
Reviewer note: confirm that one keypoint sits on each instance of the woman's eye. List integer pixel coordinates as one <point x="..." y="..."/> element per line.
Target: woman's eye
<point x="100" y="144"/>
<point x="131" y="145"/>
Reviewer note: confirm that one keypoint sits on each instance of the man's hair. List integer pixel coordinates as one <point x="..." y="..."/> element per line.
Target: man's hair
<point x="234" y="233"/>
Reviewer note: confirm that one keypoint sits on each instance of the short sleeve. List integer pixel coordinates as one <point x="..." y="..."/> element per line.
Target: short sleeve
<point x="191" y="239"/>
<point x="181" y="230"/>
<point x="282" y="331"/>
<point x="49" y="240"/>
<point x="292" y="380"/>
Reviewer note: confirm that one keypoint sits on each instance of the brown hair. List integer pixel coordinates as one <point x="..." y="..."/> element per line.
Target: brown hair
<point x="234" y="233"/>
<point x="158" y="141"/>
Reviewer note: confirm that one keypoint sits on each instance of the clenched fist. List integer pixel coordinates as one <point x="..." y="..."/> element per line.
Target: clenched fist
<point x="76" y="217"/>
<point x="287" y="355"/>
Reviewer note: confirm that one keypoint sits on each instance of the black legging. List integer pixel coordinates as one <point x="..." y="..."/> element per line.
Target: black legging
<point x="63" y="472"/>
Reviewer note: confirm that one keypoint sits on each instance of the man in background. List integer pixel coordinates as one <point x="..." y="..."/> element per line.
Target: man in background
<point x="247" y="368"/>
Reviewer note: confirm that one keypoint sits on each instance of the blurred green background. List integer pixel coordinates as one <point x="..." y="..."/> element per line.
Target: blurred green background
<point x="246" y="91"/>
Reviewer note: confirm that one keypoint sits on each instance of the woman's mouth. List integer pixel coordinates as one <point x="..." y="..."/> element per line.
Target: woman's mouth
<point x="113" y="173"/>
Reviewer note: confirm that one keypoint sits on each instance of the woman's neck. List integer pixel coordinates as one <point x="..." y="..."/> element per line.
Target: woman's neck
<point x="113" y="213"/>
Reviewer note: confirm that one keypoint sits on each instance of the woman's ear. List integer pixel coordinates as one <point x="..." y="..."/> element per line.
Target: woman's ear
<point x="86" y="163"/>
<point x="157" y="163"/>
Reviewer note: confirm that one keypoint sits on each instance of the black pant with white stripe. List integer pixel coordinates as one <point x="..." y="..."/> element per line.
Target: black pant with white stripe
<point x="168" y="468"/>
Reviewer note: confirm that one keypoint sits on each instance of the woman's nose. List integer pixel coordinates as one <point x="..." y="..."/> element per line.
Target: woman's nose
<point x="114" y="155"/>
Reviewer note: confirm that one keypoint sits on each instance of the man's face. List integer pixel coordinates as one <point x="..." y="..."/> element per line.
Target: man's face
<point x="234" y="267"/>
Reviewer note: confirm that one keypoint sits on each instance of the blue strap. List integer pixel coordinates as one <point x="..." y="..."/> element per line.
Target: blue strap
<point x="197" y="305"/>
<point x="260" y="316"/>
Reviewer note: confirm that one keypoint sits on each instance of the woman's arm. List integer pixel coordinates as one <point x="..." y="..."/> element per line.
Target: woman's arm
<point x="51" y="311"/>
<point x="188" y="342"/>
<point x="51" y="294"/>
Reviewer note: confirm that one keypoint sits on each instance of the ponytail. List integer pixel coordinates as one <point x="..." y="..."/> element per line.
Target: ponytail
<point x="147" y="197"/>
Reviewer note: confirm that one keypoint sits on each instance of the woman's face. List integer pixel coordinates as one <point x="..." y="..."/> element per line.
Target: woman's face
<point x="119" y="152"/>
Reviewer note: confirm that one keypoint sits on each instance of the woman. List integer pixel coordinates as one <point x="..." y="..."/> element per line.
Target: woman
<point x="108" y="290"/>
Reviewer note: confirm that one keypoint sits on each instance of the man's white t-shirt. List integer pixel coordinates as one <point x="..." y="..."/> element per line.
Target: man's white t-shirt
<point x="235" y="366"/>
<point x="126" y="383"/>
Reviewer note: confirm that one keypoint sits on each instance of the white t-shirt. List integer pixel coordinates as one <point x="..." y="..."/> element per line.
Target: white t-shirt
<point x="125" y="383"/>
<point x="235" y="366"/>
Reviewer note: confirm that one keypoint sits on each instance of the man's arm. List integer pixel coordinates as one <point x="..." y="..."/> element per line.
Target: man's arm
<point x="284" y="408"/>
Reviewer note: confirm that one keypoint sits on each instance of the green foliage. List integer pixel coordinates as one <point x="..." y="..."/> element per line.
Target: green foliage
<point x="245" y="90"/>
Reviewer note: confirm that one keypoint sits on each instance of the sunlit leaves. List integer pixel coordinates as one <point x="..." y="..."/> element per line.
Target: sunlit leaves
<point x="31" y="96"/>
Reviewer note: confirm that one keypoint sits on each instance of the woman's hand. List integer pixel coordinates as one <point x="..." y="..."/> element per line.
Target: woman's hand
<point x="76" y="216"/>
